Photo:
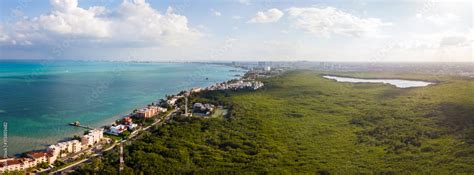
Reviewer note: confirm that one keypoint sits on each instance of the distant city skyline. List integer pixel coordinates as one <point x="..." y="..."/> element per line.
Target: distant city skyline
<point x="240" y="30"/>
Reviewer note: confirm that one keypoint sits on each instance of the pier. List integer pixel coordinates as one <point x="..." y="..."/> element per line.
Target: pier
<point x="78" y="124"/>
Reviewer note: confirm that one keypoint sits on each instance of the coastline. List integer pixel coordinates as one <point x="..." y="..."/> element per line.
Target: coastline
<point x="52" y="118"/>
<point x="44" y="143"/>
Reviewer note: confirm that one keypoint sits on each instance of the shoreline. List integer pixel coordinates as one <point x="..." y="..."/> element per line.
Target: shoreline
<point x="111" y="119"/>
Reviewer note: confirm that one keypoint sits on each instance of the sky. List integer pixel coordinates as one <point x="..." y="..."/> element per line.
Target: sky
<point x="238" y="30"/>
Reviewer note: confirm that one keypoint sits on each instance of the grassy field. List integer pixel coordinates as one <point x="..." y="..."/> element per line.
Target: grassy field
<point x="303" y="123"/>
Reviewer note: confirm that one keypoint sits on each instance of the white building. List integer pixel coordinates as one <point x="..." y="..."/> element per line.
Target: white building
<point x="268" y="68"/>
<point x="38" y="157"/>
<point x="76" y="146"/>
<point x="196" y="90"/>
<point x="94" y="136"/>
<point x="61" y="149"/>
<point x="98" y="134"/>
<point x="160" y="109"/>
<point x="132" y="126"/>
<point x="172" y="101"/>
<point x="54" y="152"/>
<point x="117" y="130"/>
<point x="87" y="140"/>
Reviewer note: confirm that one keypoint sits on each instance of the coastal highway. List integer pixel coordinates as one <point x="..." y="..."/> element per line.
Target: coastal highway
<point x="75" y="165"/>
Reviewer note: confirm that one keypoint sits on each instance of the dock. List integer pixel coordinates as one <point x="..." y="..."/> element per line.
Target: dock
<point x="78" y="124"/>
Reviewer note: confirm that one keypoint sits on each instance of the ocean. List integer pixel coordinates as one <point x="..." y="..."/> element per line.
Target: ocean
<point x="39" y="98"/>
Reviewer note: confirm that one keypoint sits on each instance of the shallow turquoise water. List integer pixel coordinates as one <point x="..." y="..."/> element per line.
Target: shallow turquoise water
<point x="39" y="98"/>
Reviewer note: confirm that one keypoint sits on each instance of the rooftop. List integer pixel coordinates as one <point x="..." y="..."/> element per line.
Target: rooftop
<point x="37" y="155"/>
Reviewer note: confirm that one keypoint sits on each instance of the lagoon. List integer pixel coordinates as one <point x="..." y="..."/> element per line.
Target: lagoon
<point x="399" y="83"/>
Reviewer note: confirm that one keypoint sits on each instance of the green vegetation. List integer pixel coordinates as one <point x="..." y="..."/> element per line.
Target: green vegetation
<point x="303" y="123"/>
<point x="143" y="121"/>
<point x="14" y="173"/>
<point x="43" y="165"/>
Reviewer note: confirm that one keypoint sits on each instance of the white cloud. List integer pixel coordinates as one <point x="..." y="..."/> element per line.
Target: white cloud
<point x="439" y="46"/>
<point x="236" y="17"/>
<point x="3" y="36"/>
<point x="446" y="39"/>
<point x="138" y="21"/>
<point x="216" y="13"/>
<point x="68" y="18"/>
<point x="22" y="32"/>
<point x="245" y="2"/>
<point x="439" y="19"/>
<point x="64" y="5"/>
<point x="326" y="21"/>
<point x="132" y="22"/>
<point x="455" y="41"/>
<point x="269" y="16"/>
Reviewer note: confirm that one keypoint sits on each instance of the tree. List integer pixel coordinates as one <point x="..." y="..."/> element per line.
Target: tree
<point x="125" y="134"/>
<point x="58" y="163"/>
<point x="42" y="165"/>
<point x="76" y="137"/>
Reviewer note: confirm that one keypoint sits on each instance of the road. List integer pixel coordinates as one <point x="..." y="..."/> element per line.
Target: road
<point x="75" y="164"/>
<point x="78" y="163"/>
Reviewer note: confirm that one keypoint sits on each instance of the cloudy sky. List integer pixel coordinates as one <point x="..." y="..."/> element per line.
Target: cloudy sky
<point x="281" y="30"/>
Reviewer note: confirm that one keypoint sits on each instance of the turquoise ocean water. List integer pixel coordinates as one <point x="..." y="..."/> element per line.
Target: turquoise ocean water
<point x="39" y="98"/>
